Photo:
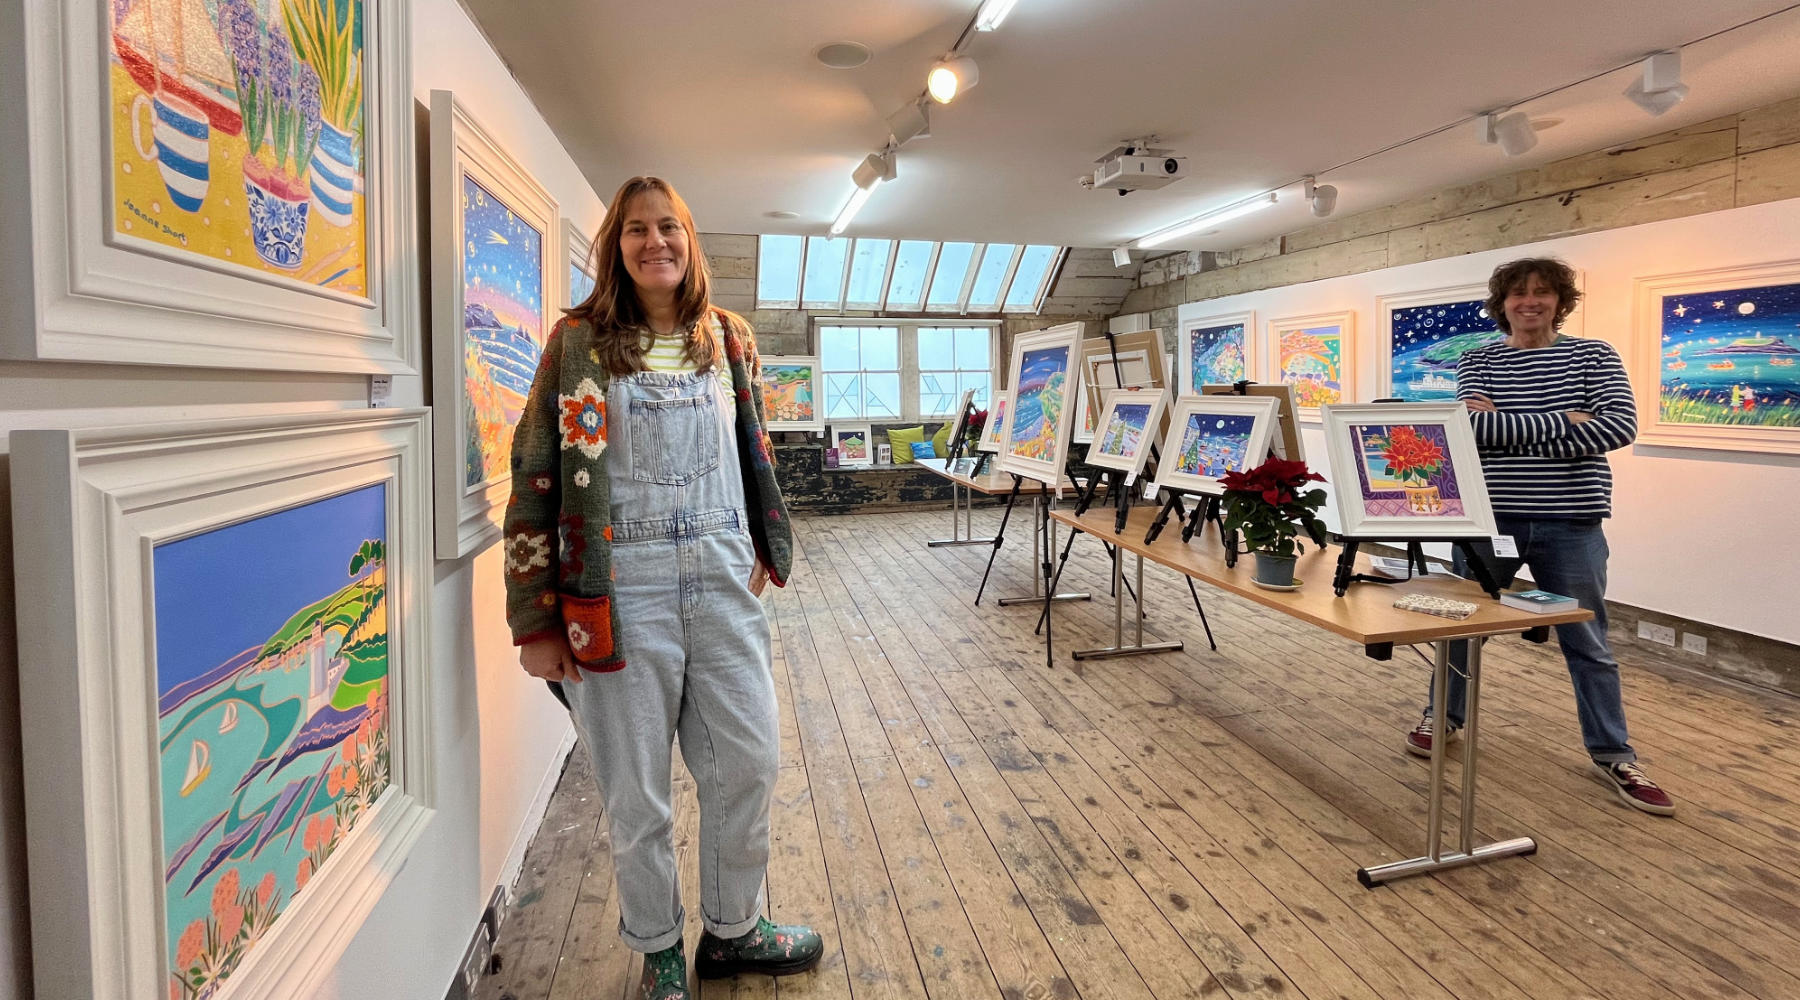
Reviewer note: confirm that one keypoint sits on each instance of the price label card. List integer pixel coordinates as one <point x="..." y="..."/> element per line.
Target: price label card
<point x="1150" y="490"/>
<point x="1504" y="547"/>
<point x="1130" y="477"/>
<point x="381" y="390"/>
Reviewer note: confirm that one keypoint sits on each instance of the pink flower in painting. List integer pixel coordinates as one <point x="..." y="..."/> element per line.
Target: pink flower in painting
<point x="311" y="840"/>
<point x="230" y="922"/>
<point x="334" y="783"/>
<point x="187" y="949"/>
<point x="265" y="890"/>
<point x="225" y="893"/>
<point x="328" y="824"/>
<point x="304" y="875"/>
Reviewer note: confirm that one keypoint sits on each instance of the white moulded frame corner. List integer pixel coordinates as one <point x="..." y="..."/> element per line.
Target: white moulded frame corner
<point x="101" y="500"/>
<point x="1477" y="519"/>
<point x="994" y="434"/>
<point x="89" y="293"/>
<point x="581" y="258"/>
<point x="468" y="517"/>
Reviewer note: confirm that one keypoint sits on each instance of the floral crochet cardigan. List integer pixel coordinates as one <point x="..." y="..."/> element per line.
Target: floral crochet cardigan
<point x="560" y="491"/>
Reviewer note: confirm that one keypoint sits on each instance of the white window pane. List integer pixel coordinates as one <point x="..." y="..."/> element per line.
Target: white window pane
<point x="974" y="349"/>
<point x="937" y="393"/>
<point x="868" y="266"/>
<point x="778" y="269"/>
<point x="981" y="382"/>
<point x="881" y="348"/>
<point x="908" y="286"/>
<point x="843" y="396"/>
<point x="1036" y="260"/>
<point x="937" y="348"/>
<point x="839" y="348"/>
<point x="986" y="293"/>
<point x="952" y="268"/>
<point x="824" y="270"/>
<point x="881" y="399"/>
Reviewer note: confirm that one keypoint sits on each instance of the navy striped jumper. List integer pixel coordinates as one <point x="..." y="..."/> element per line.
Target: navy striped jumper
<point x="1537" y="462"/>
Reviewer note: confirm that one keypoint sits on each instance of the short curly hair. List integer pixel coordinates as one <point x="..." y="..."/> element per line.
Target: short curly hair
<point x="1557" y="274"/>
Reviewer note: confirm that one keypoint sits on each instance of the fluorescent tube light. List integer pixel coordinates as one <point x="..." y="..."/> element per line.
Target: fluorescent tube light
<point x="1200" y="222"/>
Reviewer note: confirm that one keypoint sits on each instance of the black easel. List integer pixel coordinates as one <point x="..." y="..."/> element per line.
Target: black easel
<point x="999" y="536"/>
<point x="1415" y="558"/>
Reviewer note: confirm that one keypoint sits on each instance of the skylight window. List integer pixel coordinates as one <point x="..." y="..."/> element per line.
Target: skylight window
<point x="1028" y="279"/>
<point x="905" y="276"/>
<point x="778" y="271"/>
<point x="996" y="260"/>
<point x="912" y="268"/>
<point x="868" y="271"/>
<point x="947" y="284"/>
<point x="825" y="261"/>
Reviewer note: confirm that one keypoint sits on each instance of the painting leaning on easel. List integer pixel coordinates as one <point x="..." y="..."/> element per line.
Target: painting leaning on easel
<point x="1404" y="471"/>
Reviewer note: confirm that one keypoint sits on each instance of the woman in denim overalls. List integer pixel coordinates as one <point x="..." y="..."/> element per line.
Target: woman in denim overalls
<point x="638" y="445"/>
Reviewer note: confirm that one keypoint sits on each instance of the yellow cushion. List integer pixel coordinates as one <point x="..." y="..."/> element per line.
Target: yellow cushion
<point x="940" y="442"/>
<point x="902" y="439"/>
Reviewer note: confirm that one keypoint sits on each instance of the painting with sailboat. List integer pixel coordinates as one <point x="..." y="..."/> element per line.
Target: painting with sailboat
<point x="271" y="640"/>
<point x="1728" y="357"/>
<point x="237" y="134"/>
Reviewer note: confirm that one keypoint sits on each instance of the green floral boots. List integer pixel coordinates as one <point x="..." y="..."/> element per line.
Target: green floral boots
<point x="665" y="975"/>
<point x="767" y="949"/>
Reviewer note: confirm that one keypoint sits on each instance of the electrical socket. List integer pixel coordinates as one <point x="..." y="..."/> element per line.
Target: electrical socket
<point x="1693" y="643"/>
<point x="1664" y="634"/>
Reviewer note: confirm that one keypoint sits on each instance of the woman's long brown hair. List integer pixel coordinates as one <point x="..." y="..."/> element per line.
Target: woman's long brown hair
<point x="613" y="307"/>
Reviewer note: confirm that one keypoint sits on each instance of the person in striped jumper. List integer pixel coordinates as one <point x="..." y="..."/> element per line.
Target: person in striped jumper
<point x="1546" y="408"/>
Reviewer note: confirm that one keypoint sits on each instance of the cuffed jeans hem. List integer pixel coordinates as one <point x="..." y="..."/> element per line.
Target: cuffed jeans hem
<point x="1616" y="757"/>
<point x="728" y="931"/>
<point x="647" y="945"/>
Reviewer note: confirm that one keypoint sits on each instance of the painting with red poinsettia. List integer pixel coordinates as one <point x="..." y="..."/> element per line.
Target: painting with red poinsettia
<point x="1395" y="457"/>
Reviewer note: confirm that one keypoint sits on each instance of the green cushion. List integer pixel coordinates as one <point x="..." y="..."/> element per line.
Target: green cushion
<point x="940" y="441"/>
<point x="902" y="439"/>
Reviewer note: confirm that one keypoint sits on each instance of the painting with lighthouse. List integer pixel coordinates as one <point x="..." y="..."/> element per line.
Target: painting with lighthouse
<point x="271" y="639"/>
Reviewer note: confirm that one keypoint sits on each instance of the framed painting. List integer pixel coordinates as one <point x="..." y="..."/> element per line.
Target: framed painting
<point x="1128" y="425"/>
<point x="231" y="735"/>
<point x="1139" y="365"/>
<point x="1215" y="349"/>
<point x="1045" y="377"/>
<point x="1286" y="442"/>
<point x="1212" y="435"/>
<point x="790" y="387"/>
<point x="993" y="434"/>
<point x="492" y="289"/>
<point x="852" y="442"/>
<point x="1715" y="358"/>
<point x="1425" y="334"/>
<point x="214" y="183"/>
<point x="581" y="265"/>
<point x="1406" y="471"/>
<point x="959" y="423"/>
<point x="1314" y="354"/>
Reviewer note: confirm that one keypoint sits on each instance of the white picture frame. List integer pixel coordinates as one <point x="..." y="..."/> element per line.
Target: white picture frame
<point x="580" y="266"/>
<point x="841" y="432"/>
<point x="1051" y="356"/>
<point x="993" y="434"/>
<point x="957" y="422"/>
<point x="1140" y="362"/>
<point x="1124" y="410"/>
<point x="91" y="293"/>
<point x="1286" y="442"/>
<point x="102" y="502"/>
<point x="1191" y="329"/>
<point x="1376" y="505"/>
<point x="798" y="376"/>
<point x="1311" y="395"/>
<point x="1192" y="461"/>
<point x="470" y="498"/>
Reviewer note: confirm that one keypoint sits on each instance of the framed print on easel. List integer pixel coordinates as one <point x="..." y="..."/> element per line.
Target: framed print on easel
<point x="1286" y="442"/>
<point x="1212" y="435"/>
<point x="1314" y="354"/>
<point x="231" y="737"/>
<point x="1045" y="376"/>
<point x="1128" y="425"/>
<point x="1122" y="361"/>
<point x="492" y="285"/>
<point x="219" y="184"/>
<point x="993" y="435"/>
<point x="1407" y="471"/>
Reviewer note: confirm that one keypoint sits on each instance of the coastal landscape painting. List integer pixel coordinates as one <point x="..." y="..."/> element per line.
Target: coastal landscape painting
<point x="503" y="325"/>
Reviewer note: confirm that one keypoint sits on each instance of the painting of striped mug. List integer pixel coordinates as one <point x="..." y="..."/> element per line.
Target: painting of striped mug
<point x="180" y="146"/>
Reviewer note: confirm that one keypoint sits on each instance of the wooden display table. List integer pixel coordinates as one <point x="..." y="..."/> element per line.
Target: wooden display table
<point x="1364" y="615"/>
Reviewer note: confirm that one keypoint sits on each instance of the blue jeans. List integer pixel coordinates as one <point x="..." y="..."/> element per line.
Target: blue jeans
<point x="1567" y="558"/>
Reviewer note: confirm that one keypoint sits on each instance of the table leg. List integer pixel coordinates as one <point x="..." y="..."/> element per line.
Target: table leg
<point x="1037" y="561"/>
<point x="959" y="534"/>
<point x="1118" y="648"/>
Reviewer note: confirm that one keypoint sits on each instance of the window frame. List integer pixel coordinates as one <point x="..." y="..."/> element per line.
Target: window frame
<point x="909" y="355"/>
<point x="921" y="308"/>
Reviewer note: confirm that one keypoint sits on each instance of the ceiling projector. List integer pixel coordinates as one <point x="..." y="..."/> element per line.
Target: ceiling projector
<point x="1138" y="168"/>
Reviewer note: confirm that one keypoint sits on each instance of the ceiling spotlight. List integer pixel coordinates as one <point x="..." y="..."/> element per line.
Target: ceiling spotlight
<point x="1121" y="256"/>
<point x="1204" y="220"/>
<point x="1660" y="88"/>
<point x="875" y="168"/>
<point x="950" y="77"/>
<point x="992" y="12"/>
<point x="1513" y="132"/>
<point x="909" y="123"/>
<point x="1323" y="197"/>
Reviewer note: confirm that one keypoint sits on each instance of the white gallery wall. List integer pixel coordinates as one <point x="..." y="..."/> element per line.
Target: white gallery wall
<point x="1706" y="535"/>
<point x="501" y="735"/>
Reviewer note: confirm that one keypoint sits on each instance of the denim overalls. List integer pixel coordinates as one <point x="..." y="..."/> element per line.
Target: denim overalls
<point x="696" y="647"/>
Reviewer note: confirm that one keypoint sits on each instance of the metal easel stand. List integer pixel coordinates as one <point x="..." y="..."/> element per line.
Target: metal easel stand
<point x="1042" y="530"/>
<point x="1436" y="859"/>
<point x="1119" y="648"/>
<point x="961" y="532"/>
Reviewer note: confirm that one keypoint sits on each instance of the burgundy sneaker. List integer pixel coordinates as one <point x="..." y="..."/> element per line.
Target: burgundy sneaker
<point x="1635" y="788"/>
<point x="1418" y="742"/>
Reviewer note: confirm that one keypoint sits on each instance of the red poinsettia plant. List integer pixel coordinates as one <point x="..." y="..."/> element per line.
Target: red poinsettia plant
<point x="1411" y="455"/>
<point x="1270" y="505"/>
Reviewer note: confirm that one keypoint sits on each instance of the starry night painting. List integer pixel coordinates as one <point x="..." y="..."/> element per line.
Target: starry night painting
<point x="1216" y="354"/>
<point x="581" y="285"/>
<point x="1728" y="358"/>
<point x="1429" y="340"/>
<point x="503" y="326"/>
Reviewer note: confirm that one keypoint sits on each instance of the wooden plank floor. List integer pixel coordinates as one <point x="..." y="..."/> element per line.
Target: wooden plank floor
<point x="962" y="821"/>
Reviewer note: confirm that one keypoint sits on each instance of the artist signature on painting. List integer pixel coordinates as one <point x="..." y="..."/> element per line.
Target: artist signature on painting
<point x="155" y="224"/>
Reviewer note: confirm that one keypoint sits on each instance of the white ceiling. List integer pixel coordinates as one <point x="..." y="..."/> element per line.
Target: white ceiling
<point x="726" y="101"/>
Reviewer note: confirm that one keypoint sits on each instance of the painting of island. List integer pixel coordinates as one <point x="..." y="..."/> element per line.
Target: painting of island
<point x="1213" y="444"/>
<point x="1312" y="362"/>
<point x="1405" y="470"/>
<point x="271" y="639"/>
<point x="1429" y="340"/>
<point x="1038" y="403"/>
<point x="1123" y="435"/>
<point x="853" y="446"/>
<point x="788" y="391"/>
<point x="1728" y="358"/>
<point x="1217" y="355"/>
<point x="503" y="326"/>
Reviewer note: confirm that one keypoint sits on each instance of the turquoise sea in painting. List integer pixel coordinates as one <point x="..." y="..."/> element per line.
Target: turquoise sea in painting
<point x="1218" y="355"/>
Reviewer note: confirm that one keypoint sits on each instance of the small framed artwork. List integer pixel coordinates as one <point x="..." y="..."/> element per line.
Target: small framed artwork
<point x="1405" y="471"/>
<point x="790" y="388"/>
<point x="1715" y="358"/>
<point x="492" y="286"/>
<point x="853" y="447"/>
<point x="222" y="184"/>
<point x="232" y="734"/>
<point x="1046" y="377"/>
<point x="959" y="423"/>
<point x="1212" y="435"/>
<point x="993" y="435"/>
<point x="1286" y="441"/>
<point x="1314" y="354"/>
<point x="581" y="265"/>
<point x="1215" y="349"/>
<point x="1128" y="424"/>
<point x="1125" y="361"/>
